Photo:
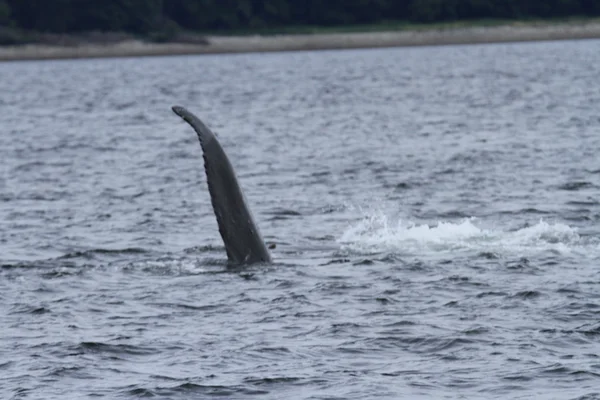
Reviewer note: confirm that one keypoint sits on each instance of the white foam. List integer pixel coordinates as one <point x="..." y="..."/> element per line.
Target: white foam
<point x="375" y="233"/>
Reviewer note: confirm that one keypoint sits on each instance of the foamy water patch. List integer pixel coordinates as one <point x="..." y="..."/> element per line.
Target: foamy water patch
<point x="377" y="233"/>
<point x="168" y="266"/>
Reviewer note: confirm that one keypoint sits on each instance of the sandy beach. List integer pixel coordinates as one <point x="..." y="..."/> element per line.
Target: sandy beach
<point x="270" y="43"/>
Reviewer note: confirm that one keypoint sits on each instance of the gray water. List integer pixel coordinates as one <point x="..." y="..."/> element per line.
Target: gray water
<point x="435" y="210"/>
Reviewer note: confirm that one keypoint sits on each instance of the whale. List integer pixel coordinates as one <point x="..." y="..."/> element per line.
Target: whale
<point x="243" y="241"/>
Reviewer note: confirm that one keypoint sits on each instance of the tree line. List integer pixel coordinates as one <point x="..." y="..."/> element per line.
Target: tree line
<point x="151" y="16"/>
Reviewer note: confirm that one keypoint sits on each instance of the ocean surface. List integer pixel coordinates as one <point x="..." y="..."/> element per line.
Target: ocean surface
<point x="435" y="211"/>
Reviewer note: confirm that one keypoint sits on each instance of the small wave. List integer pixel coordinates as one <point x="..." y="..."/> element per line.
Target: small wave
<point x="6" y="364"/>
<point x="208" y="307"/>
<point x="29" y="309"/>
<point x="120" y="349"/>
<point x="204" y="249"/>
<point x="271" y="381"/>
<point x="576" y="185"/>
<point x="420" y="344"/>
<point x="583" y="203"/>
<point x="375" y="233"/>
<point x="527" y="295"/>
<point x="90" y="254"/>
<point x="527" y="210"/>
<point x="283" y="214"/>
<point x="190" y="388"/>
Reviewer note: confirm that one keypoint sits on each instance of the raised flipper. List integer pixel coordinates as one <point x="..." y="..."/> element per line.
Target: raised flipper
<point x="243" y="242"/>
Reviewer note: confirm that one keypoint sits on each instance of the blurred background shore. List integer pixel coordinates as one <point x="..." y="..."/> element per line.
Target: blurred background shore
<point x="54" y="29"/>
<point x="122" y="45"/>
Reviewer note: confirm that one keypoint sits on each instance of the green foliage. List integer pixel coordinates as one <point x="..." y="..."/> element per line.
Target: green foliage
<point x="4" y="13"/>
<point x="162" y="19"/>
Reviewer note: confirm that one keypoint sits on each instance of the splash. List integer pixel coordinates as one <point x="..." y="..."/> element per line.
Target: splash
<point x="376" y="233"/>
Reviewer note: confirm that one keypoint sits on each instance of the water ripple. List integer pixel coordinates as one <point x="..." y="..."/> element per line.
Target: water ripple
<point x="433" y="212"/>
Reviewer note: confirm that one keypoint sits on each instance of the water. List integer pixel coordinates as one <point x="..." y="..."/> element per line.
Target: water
<point x="436" y="214"/>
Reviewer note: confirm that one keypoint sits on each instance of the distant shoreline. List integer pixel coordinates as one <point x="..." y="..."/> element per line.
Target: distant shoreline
<point x="519" y="32"/>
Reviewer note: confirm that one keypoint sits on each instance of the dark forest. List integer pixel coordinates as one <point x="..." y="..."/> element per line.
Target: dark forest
<point x="146" y="17"/>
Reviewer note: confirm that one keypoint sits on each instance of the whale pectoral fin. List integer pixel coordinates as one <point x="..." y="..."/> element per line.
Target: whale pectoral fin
<point x="242" y="239"/>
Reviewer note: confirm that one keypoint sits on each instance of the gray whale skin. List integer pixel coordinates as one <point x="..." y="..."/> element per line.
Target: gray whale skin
<point x="243" y="242"/>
